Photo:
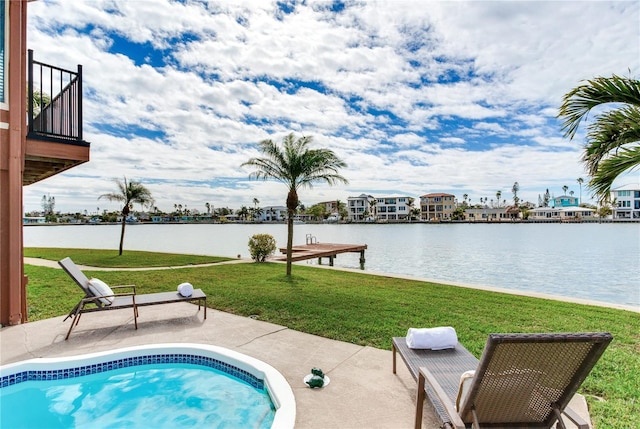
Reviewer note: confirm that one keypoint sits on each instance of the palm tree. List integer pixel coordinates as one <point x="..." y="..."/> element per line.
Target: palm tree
<point x="515" y="189"/>
<point x="128" y="194"/>
<point x="612" y="140"/>
<point x="243" y="212"/>
<point x="564" y="189"/>
<point x="297" y="166"/>
<point x="464" y="197"/>
<point x="580" y="181"/>
<point x="410" y="202"/>
<point x="498" y="195"/>
<point x="256" y="202"/>
<point x="372" y="203"/>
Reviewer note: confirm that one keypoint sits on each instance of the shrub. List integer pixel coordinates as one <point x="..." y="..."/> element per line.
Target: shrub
<point x="261" y="246"/>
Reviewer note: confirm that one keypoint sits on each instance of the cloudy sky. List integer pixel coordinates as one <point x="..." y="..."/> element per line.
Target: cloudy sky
<point x="415" y="96"/>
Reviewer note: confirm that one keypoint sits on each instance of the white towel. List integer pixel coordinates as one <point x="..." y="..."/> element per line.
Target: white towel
<point x="440" y="338"/>
<point x="185" y="289"/>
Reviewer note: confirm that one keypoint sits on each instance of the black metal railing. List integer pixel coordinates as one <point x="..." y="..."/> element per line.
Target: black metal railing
<point x="54" y="102"/>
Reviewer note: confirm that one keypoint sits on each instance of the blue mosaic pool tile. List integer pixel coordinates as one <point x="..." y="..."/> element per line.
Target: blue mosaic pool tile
<point x="60" y="374"/>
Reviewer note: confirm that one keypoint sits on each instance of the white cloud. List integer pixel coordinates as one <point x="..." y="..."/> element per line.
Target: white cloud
<point x="416" y="96"/>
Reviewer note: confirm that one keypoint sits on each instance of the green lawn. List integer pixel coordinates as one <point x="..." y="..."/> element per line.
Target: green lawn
<point x="369" y="310"/>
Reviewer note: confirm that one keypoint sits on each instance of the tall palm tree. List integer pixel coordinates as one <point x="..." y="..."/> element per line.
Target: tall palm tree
<point x="128" y="193"/>
<point x="580" y="182"/>
<point x="297" y="166"/>
<point x="613" y="137"/>
<point x="565" y="188"/>
<point x="498" y="195"/>
<point x="515" y="189"/>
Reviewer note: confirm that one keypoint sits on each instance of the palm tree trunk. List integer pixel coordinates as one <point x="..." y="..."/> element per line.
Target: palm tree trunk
<point x="124" y="223"/>
<point x="289" y="242"/>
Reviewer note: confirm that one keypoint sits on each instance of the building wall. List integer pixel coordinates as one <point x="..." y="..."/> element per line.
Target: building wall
<point x="392" y="208"/>
<point x="359" y="208"/>
<point x="437" y="206"/>
<point x="13" y="305"/>
<point x="627" y="200"/>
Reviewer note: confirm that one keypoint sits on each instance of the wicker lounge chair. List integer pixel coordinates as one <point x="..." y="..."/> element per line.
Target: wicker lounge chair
<point x="521" y="380"/>
<point x="120" y="300"/>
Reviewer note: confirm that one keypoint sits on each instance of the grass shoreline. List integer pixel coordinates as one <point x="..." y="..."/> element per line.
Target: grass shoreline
<point x="369" y="310"/>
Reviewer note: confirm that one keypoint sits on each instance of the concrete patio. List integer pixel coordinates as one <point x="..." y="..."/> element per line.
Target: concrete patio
<point x="364" y="393"/>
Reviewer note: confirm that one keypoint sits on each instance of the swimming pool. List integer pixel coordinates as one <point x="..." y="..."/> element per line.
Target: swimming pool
<point x="133" y="371"/>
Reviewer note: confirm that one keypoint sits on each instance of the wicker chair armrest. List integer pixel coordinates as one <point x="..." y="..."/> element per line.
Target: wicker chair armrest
<point x="425" y="375"/>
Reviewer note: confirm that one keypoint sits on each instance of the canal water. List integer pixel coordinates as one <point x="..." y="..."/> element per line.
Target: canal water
<point x="599" y="262"/>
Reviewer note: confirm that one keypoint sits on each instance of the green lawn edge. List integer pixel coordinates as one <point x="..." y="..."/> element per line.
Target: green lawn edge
<point x="128" y="259"/>
<point x="369" y="310"/>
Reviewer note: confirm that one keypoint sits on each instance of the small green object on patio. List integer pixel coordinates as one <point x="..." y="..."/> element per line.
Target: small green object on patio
<point x="315" y="381"/>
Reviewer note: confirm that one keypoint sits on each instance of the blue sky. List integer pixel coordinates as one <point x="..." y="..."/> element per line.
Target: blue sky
<point x="415" y="96"/>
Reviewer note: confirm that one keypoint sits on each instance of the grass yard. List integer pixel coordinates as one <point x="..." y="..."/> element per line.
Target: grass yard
<point x="366" y="310"/>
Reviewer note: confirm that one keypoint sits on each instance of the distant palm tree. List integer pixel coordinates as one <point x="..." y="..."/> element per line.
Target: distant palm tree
<point x="243" y="212"/>
<point x="372" y="203"/>
<point x="297" y="166"/>
<point x="498" y="195"/>
<point x="613" y="137"/>
<point x="464" y="197"/>
<point x="410" y="202"/>
<point x="515" y="189"/>
<point x="128" y="194"/>
<point x="580" y="181"/>
<point x="564" y="189"/>
<point x="256" y="202"/>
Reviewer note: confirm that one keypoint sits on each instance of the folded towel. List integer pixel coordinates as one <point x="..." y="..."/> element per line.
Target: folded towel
<point x="440" y="338"/>
<point x="185" y="289"/>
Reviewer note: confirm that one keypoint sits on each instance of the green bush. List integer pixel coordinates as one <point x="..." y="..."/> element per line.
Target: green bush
<point x="261" y="246"/>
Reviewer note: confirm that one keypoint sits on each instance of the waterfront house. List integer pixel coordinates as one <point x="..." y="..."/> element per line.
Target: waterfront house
<point x="561" y="213"/>
<point x="563" y="208"/>
<point x="487" y="214"/>
<point x="393" y="208"/>
<point x="34" y="220"/>
<point x="437" y="206"/>
<point x="564" y="201"/>
<point x="273" y="214"/>
<point x="360" y="208"/>
<point x="38" y="141"/>
<point x="627" y="200"/>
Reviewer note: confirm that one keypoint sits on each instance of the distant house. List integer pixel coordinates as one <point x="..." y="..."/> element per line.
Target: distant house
<point x="392" y="208"/>
<point x="627" y="200"/>
<point x="564" y="201"/>
<point x="360" y="208"/>
<point x="273" y="214"/>
<point x="437" y="206"/>
<point x="561" y="213"/>
<point x="490" y="214"/>
<point x="33" y="220"/>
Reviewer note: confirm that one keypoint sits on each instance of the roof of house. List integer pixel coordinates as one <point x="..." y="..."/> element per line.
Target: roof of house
<point x="439" y="194"/>
<point x="628" y="187"/>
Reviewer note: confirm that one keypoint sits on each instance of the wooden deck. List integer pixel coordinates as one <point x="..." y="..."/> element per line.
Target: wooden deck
<point x="321" y="250"/>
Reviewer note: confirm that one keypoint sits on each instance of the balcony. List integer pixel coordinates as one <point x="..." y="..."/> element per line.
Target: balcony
<point x="54" y="106"/>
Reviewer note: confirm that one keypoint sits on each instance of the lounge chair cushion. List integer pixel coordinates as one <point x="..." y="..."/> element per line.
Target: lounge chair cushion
<point x="101" y="289"/>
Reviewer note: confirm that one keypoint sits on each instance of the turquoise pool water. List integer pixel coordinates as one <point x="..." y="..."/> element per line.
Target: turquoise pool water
<point x="144" y="396"/>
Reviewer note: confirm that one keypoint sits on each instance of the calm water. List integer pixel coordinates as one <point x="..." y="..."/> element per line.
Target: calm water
<point x="600" y="262"/>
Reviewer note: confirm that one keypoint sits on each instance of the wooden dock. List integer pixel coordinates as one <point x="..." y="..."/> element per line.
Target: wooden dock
<point x="321" y="250"/>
